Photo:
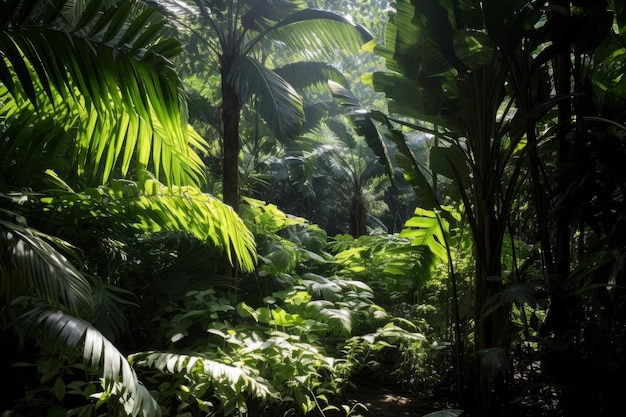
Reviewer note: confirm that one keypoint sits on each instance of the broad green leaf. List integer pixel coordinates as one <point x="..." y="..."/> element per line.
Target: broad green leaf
<point x="450" y="162"/>
<point x="305" y="74"/>
<point x="280" y="317"/>
<point x="425" y="228"/>
<point x="475" y="49"/>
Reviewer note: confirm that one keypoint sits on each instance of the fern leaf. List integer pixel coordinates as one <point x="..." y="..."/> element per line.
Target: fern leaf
<point x="220" y="375"/>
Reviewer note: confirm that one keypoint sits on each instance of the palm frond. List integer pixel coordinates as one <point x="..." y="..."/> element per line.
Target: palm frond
<point x="131" y="106"/>
<point x="188" y="208"/>
<point x="229" y="381"/>
<point x="262" y="14"/>
<point x="307" y="74"/>
<point x="63" y="332"/>
<point x="217" y="371"/>
<point x="317" y="33"/>
<point x="30" y="140"/>
<point x="152" y="207"/>
<point x="363" y="124"/>
<point x="278" y="102"/>
<point x="29" y="264"/>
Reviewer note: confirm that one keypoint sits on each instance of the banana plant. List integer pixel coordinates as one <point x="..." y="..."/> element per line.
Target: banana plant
<point x="448" y="77"/>
<point x="480" y="77"/>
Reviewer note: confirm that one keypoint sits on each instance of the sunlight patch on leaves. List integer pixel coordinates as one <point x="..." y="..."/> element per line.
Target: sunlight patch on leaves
<point x="153" y="207"/>
<point x="130" y="109"/>
<point x="230" y="381"/>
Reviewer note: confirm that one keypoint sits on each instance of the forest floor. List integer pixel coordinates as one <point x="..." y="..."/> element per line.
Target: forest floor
<point x="385" y="400"/>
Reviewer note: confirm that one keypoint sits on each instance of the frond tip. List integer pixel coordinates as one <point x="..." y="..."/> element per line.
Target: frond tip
<point x="189" y="209"/>
<point x="152" y="207"/>
<point x="64" y="333"/>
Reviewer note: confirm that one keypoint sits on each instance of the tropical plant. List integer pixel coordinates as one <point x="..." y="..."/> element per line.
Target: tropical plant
<point x="294" y="352"/>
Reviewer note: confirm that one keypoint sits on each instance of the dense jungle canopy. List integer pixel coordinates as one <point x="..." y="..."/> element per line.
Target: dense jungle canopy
<point x="255" y="207"/>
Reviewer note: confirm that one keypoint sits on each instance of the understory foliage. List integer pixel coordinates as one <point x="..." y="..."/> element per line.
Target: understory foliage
<point x="288" y="338"/>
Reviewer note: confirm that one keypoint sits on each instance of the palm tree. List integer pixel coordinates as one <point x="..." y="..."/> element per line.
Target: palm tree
<point x="242" y="28"/>
<point x="349" y="170"/>
<point x="88" y="96"/>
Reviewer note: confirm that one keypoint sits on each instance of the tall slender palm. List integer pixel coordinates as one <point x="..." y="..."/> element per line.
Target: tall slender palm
<point x="241" y="28"/>
<point x="88" y="95"/>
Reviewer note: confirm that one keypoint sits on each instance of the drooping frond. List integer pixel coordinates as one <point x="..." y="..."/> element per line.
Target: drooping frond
<point x="217" y="371"/>
<point x="225" y="378"/>
<point x="363" y="124"/>
<point x="317" y="33"/>
<point x="278" y="103"/>
<point x="29" y="264"/>
<point x="305" y="74"/>
<point x="187" y="208"/>
<point x="100" y="78"/>
<point x="262" y="14"/>
<point x="152" y="207"/>
<point x="64" y="332"/>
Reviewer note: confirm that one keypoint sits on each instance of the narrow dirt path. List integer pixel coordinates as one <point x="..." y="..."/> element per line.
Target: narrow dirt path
<point x="389" y="401"/>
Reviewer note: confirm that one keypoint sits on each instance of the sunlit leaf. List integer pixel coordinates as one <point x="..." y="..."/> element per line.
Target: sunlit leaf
<point x="425" y="228"/>
<point x="132" y="94"/>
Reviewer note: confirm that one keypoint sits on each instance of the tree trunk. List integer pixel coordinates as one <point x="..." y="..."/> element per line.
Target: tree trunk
<point x="358" y="216"/>
<point x="488" y="234"/>
<point x="562" y="243"/>
<point x="487" y="328"/>
<point x="558" y="319"/>
<point x="231" y="112"/>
